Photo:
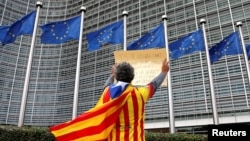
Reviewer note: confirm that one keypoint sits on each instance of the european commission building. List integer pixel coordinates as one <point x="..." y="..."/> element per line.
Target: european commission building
<point x="52" y="78"/>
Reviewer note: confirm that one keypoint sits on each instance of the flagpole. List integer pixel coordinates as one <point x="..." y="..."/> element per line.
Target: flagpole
<point x="74" y="114"/>
<point x="125" y="15"/>
<point x="213" y="98"/>
<point x="170" y="96"/>
<point x="27" y="77"/>
<point x="239" y="24"/>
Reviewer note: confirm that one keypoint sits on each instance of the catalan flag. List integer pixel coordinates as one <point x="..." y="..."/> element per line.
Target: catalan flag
<point x="95" y="124"/>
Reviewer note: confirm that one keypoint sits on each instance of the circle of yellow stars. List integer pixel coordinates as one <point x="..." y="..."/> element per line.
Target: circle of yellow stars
<point x="190" y="46"/>
<point x="142" y="44"/>
<point x="220" y="52"/>
<point x="104" y="36"/>
<point x="57" y="36"/>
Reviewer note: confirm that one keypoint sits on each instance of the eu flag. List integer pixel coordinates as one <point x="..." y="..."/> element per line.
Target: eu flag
<point x="152" y="39"/>
<point x="248" y="50"/>
<point x="187" y="44"/>
<point x="112" y="33"/>
<point x="61" y="31"/>
<point x="25" y="25"/>
<point x="230" y="45"/>
<point x="3" y="32"/>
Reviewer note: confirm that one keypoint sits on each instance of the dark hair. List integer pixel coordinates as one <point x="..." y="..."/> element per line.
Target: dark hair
<point x="124" y="72"/>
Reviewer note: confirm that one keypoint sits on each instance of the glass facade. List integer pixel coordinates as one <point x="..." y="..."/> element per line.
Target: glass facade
<point x="52" y="80"/>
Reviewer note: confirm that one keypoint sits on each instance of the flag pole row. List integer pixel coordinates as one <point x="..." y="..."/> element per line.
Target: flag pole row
<point x="157" y="37"/>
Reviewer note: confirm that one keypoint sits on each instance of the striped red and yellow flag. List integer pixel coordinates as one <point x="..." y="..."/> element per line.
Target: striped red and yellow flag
<point x="93" y="125"/>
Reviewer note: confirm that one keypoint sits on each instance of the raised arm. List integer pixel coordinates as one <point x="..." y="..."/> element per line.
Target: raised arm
<point x="110" y="80"/>
<point x="157" y="81"/>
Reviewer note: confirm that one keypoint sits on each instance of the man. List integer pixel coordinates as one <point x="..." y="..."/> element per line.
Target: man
<point x="130" y="123"/>
<point x="119" y="113"/>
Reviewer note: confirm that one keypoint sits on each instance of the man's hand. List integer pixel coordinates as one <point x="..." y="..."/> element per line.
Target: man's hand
<point x="165" y="66"/>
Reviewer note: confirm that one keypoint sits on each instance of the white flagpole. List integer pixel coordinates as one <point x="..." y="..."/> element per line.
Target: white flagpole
<point x="213" y="98"/>
<point x="239" y="24"/>
<point x="74" y="114"/>
<point x="27" y="77"/>
<point x="170" y="95"/>
<point x="125" y="14"/>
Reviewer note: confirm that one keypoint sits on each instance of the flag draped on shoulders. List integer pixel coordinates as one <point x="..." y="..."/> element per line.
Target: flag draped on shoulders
<point x="23" y="26"/>
<point x="93" y="125"/>
<point x="230" y="45"/>
<point x="152" y="39"/>
<point x="112" y="33"/>
<point x="187" y="44"/>
<point x="61" y="31"/>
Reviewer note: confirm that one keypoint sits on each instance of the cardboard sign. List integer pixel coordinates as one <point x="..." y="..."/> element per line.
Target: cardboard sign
<point x="147" y="64"/>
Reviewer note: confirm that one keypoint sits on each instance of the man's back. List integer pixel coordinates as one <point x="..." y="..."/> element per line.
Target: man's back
<point x="130" y="123"/>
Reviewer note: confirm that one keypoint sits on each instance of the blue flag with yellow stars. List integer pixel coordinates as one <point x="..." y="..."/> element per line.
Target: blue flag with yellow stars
<point x="230" y="45"/>
<point x="152" y="39"/>
<point x="61" y="31"/>
<point x="187" y="44"/>
<point x="248" y="50"/>
<point x="112" y="33"/>
<point x="3" y="32"/>
<point x="23" y="26"/>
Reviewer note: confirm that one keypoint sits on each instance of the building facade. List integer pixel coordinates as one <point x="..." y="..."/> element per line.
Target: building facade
<point x="52" y="79"/>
